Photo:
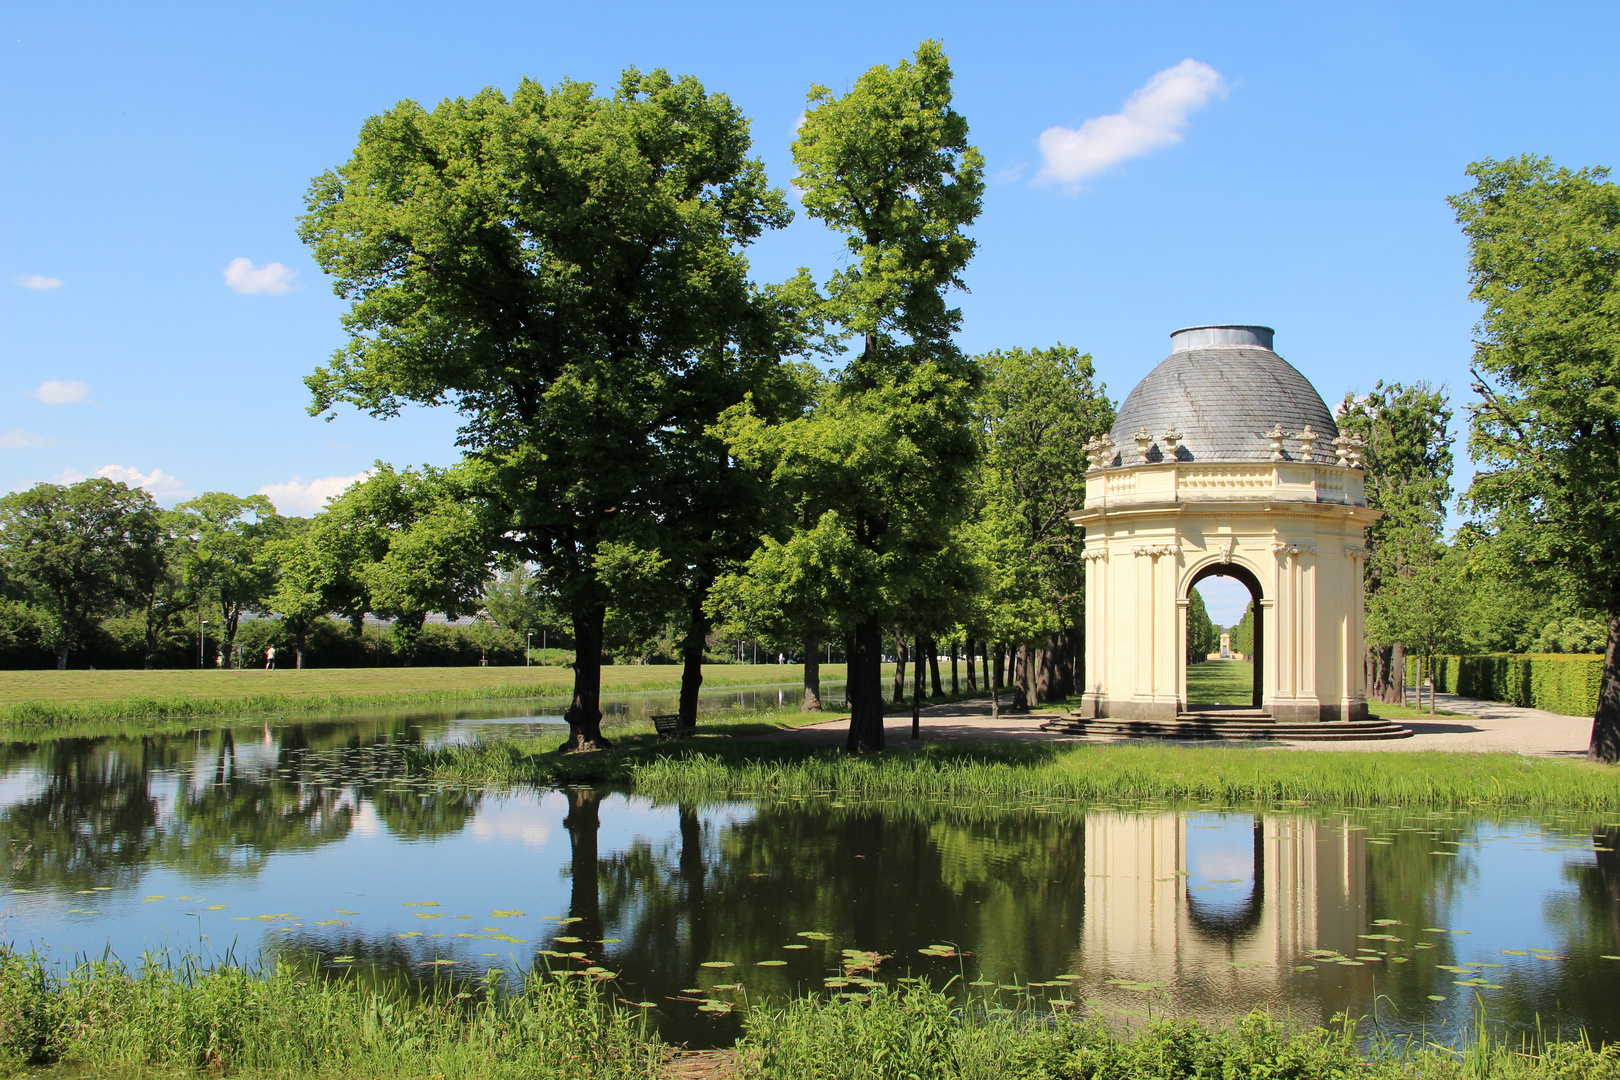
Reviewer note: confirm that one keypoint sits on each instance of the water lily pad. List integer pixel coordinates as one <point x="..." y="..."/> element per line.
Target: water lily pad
<point x="331" y="922"/>
<point x="717" y="964"/>
<point x="413" y="933"/>
<point x="342" y="959"/>
<point x="341" y="911"/>
<point x="770" y="963"/>
<point x="795" y="946"/>
<point x="1436" y="997"/>
<point x="512" y="913"/>
<point x="569" y="940"/>
<point x="420" y="903"/>
<point x="815" y="935"/>
<point x="217" y="907"/>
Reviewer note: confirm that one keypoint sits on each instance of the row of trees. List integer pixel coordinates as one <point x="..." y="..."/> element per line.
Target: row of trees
<point x="651" y="431"/>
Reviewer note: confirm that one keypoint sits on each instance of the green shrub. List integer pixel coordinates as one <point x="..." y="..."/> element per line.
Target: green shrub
<point x="1557" y="682"/>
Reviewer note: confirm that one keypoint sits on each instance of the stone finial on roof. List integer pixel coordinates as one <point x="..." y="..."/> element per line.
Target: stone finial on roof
<point x="1307" y="441"/>
<point x="1276" y="436"/>
<point x="1172" y="440"/>
<point x="1144" y="443"/>
<point x="1341" y="449"/>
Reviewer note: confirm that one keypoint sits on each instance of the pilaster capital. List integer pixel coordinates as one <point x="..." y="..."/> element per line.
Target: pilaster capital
<point x="1091" y="554"/>
<point x="1293" y="550"/>
<point x="1155" y="550"/>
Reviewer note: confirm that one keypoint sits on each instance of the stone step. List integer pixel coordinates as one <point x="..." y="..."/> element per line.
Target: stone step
<point x="1196" y="726"/>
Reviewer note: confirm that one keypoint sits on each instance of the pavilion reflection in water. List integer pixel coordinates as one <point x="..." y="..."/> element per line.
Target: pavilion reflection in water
<point x="1150" y="918"/>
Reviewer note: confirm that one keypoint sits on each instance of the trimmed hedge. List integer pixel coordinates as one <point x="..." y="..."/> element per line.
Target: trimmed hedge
<point x="1563" y="683"/>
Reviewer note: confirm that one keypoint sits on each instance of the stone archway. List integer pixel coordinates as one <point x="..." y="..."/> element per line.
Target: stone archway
<point x="1247" y="578"/>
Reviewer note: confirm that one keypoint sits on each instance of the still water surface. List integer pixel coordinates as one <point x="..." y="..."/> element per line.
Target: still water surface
<point x="307" y="839"/>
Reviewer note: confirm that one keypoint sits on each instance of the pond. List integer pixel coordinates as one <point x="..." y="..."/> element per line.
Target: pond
<point x="306" y="840"/>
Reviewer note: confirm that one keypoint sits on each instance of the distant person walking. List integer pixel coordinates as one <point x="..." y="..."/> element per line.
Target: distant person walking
<point x="270" y="658"/>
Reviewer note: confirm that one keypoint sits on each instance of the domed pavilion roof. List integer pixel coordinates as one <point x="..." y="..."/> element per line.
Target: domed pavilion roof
<point x="1223" y="389"/>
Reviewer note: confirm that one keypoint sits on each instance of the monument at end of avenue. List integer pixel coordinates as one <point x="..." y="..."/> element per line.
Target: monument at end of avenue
<point x="1225" y="461"/>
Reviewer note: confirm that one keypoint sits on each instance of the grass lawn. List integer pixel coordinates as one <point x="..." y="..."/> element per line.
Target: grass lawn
<point x="63" y="696"/>
<point x="1220" y="682"/>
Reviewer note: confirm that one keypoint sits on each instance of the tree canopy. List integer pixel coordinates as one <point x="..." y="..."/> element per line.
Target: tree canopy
<point x="1544" y="260"/>
<point x="555" y="266"/>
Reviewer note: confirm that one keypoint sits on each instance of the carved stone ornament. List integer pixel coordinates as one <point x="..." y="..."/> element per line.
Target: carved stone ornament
<point x="1276" y="436"/>
<point x="1091" y="554"/>
<point x="1341" y="449"/>
<point x="1155" y="550"/>
<point x="1307" y="441"/>
<point x="1355" y="551"/>
<point x="1226" y="548"/>
<point x="1293" y="550"/>
<point x="1144" y="443"/>
<point x="1094" y="454"/>
<point x="1356" y="447"/>
<point x="1172" y="440"/>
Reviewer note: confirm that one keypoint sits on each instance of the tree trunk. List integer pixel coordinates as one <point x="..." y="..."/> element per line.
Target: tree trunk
<point x="900" y="657"/>
<point x="584" y="713"/>
<point x="933" y="667"/>
<point x="1605" y="746"/>
<point x="972" y="676"/>
<point x="812" y="673"/>
<point x="62" y="654"/>
<point x="300" y="639"/>
<point x="584" y="823"/>
<point x="997" y="665"/>
<point x="1387" y="677"/>
<point x="1022" y="661"/>
<point x="1063" y="685"/>
<point x="955" y="686"/>
<point x="697" y="633"/>
<point x="916" y="693"/>
<point x="864" y="659"/>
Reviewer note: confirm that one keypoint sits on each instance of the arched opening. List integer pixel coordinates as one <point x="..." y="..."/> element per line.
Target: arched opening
<point x="1254" y="656"/>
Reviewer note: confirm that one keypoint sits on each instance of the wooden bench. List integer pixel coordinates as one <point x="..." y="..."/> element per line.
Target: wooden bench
<point x="669" y="726"/>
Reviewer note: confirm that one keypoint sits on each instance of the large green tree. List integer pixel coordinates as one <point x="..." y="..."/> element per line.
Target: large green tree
<point x="550" y="264"/>
<point x="1036" y="412"/>
<point x="1407" y="455"/>
<point x="875" y="472"/>
<point x="227" y="562"/>
<point x="76" y="552"/>
<point x="1544" y="260"/>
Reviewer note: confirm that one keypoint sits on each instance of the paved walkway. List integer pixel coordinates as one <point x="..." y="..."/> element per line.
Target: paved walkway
<point x="1484" y="727"/>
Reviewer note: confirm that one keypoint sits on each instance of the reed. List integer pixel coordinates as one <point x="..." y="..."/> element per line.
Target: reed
<point x="718" y="768"/>
<point x="183" y="1017"/>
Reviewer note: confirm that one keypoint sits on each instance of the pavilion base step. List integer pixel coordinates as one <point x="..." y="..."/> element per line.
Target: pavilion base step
<point x="1247" y="725"/>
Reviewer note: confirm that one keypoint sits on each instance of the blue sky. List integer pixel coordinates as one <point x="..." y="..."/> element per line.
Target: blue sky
<point x="1284" y="164"/>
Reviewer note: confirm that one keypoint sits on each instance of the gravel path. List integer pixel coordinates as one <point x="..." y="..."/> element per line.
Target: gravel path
<point x="1484" y="727"/>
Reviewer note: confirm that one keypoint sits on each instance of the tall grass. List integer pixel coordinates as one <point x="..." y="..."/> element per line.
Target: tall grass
<point x="169" y="1018"/>
<point x="721" y="769"/>
<point x="225" y="1018"/>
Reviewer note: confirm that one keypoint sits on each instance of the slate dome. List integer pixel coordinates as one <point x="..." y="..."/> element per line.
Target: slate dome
<point x="1223" y="388"/>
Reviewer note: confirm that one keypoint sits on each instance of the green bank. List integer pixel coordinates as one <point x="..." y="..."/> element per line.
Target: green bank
<point x="718" y="767"/>
<point x="181" y="1018"/>
<point x="61" y="697"/>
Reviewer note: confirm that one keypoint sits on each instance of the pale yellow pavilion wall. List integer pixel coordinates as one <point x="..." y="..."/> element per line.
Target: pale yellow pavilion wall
<point x="1152" y="529"/>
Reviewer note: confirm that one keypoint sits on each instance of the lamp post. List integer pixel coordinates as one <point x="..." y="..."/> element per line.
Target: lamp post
<point x="528" y="643"/>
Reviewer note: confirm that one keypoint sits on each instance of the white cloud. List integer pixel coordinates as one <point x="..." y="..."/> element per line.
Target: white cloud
<point x="18" y="439"/>
<point x="1153" y="118"/>
<point x="60" y="391"/>
<point x="270" y="279"/>
<point x="159" y="483"/>
<point x="38" y="281"/>
<point x="302" y="499"/>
